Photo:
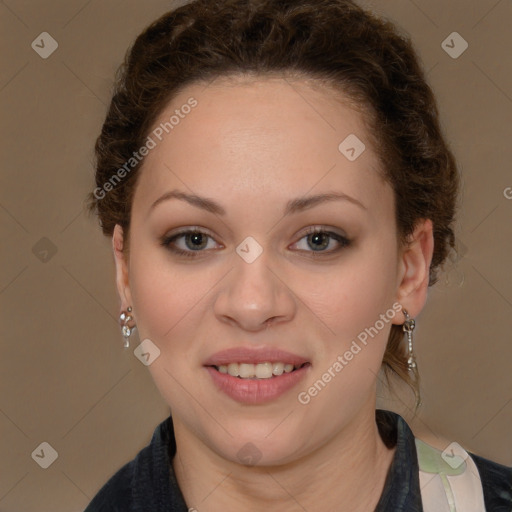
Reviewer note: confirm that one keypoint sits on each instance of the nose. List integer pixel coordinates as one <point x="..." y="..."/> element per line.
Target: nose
<point x="254" y="296"/>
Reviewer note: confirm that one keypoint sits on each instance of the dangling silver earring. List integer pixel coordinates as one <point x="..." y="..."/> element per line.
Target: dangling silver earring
<point x="124" y="319"/>
<point x="408" y="327"/>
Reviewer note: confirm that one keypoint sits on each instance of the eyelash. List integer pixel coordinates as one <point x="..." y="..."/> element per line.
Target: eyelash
<point x="342" y="240"/>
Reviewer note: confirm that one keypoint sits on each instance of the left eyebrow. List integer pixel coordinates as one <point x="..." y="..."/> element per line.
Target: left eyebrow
<point x="303" y="203"/>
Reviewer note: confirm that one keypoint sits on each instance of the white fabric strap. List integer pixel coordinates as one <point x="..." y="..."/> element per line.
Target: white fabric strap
<point x="449" y="480"/>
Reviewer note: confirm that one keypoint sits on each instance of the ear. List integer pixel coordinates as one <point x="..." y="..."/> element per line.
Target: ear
<point x="414" y="267"/>
<point x="122" y="280"/>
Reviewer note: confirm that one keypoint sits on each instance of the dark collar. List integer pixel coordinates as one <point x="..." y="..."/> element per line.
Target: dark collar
<point x="402" y="488"/>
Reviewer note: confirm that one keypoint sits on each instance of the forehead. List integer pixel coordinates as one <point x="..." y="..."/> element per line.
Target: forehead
<point x="261" y="138"/>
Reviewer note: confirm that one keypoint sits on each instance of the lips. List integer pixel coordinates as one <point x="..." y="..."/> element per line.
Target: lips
<point x="254" y="356"/>
<point x="250" y="389"/>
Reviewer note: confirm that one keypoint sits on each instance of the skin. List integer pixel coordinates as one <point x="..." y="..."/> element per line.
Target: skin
<point x="252" y="145"/>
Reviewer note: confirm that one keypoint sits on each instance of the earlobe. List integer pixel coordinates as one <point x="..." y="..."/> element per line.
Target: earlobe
<point x="415" y="262"/>
<point x="122" y="280"/>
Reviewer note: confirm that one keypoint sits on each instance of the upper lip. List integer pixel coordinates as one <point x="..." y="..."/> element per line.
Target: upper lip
<point x="254" y="356"/>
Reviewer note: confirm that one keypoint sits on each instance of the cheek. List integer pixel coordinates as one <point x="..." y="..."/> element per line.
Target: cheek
<point x="357" y="305"/>
<point x="354" y="294"/>
<point x="162" y="294"/>
<point x="169" y="304"/>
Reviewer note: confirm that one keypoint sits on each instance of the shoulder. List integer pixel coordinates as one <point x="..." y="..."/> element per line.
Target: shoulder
<point x="115" y="495"/>
<point x="496" y="483"/>
<point x="442" y="471"/>
<point x="129" y="488"/>
<point x="469" y="480"/>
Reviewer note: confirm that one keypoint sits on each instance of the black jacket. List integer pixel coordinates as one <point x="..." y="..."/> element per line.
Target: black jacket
<point x="148" y="483"/>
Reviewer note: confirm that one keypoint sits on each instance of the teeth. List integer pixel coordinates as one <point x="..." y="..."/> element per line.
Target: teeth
<point x="247" y="371"/>
<point x="233" y="369"/>
<point x="263" y="371"/>
<point x="259" y="371"/>
<point x="278" y="368"/>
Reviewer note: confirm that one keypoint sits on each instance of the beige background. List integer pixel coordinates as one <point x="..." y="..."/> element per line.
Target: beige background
<point x="65" y="377"/>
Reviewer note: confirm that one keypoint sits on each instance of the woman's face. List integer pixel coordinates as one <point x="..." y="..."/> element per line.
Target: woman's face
<point x="254" y="281"/>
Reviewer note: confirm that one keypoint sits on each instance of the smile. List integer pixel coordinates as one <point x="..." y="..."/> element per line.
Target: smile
<point x="265" y="370"/>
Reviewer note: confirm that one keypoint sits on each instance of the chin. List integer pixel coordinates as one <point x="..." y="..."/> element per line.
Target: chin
<point x="260" y="443"/>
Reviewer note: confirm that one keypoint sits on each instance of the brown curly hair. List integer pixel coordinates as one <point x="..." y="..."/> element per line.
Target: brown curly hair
<point x="335" y="42"/>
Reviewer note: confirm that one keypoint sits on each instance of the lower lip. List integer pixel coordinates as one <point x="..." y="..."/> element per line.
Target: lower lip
<point x="257" y="391"/>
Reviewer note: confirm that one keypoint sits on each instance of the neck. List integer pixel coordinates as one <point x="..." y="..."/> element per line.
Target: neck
<point x="347" y="473"/>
